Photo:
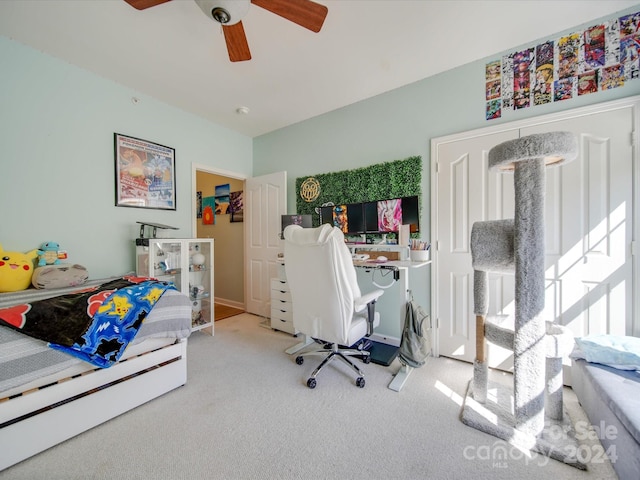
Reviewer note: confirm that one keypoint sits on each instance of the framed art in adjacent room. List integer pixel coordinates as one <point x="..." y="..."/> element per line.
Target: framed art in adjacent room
<point x="145" y="174"/>
<point x="236" y="206"/>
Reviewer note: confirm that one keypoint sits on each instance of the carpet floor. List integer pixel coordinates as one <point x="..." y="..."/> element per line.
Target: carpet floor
<point x="246" y="413"/>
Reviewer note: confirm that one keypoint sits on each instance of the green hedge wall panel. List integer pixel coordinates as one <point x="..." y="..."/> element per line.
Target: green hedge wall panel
<point x="398" y="178"/>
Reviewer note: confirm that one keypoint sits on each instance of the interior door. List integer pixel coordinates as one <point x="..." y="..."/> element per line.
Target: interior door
<point x="466" y="192"/>
<point x="588" y="232"/>
<point x="265" y="202"/>
<point x="590" y="226"/>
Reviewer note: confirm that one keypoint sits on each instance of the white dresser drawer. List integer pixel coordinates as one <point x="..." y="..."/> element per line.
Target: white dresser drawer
<point x="282" y="320"/>
<point x="282" y="275"/>
<point x="277" y="284"/>
<point x="282" y="312"/>
<point x="282" y="305"/>
<point x="280" y="295"/>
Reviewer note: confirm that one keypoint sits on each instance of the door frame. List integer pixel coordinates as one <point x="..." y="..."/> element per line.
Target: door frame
<point x="632" y="102"/>
<point x="195" y="167"/>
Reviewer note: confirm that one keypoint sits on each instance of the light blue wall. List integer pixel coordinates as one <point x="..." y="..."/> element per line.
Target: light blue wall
<point x="56" y="132"/>
<point x="57" y="163"/>
<point x="399" y="124"/>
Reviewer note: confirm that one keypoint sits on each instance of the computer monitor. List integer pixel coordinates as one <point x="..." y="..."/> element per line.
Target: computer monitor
<point x="411" y="213"/>
<point x="355" y="218"/>
<point x="389" y="215"/>
<point x="348" y="217"/>
<point x="326" y="215"/>
<point x="340" y="218"/>
<point x="371" y="217"/>
<point x="305" y="221"/>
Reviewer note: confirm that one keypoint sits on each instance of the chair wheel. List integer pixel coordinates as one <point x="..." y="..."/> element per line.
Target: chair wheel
<point x="366" y="359"/>
<point x="359" y="382"/>
<point x="299" y="360"/>
<point x="311" y="383"/>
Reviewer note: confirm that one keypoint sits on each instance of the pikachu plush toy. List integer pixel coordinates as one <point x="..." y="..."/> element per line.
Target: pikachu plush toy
<point x="16" y="269"/>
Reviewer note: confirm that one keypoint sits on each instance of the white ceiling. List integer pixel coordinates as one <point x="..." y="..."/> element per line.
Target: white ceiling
<point x="174" y="53"/>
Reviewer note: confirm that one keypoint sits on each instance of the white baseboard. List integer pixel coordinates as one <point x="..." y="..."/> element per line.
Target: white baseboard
<point x="229" y="303"/>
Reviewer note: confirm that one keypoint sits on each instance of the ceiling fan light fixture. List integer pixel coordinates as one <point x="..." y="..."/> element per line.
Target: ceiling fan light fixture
<point x="229" y="14"/>
<point x="220" y="15"/>
<point x="225" y="12"/>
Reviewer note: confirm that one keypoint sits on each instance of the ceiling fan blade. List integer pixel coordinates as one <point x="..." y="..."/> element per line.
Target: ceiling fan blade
<point x="237" y="44"/>
<point x="305" y="13"/>
<point x="143" y="4"/>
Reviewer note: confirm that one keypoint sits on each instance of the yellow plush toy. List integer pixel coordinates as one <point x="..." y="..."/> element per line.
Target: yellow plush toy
<point x="16" y="270"/>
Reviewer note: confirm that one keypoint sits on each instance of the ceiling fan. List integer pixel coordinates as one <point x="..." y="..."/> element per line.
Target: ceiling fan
<point x="229" y="13"/>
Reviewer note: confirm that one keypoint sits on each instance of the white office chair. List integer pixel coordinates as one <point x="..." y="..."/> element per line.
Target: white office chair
<point x="327" y="304"/>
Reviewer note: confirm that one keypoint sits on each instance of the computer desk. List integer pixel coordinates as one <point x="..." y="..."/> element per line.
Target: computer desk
<point x="391" y="331"/>
<point x="395" y="275"/>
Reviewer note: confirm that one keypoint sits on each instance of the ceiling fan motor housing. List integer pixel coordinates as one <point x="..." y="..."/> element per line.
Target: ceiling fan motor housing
<point x="226" y="12"/>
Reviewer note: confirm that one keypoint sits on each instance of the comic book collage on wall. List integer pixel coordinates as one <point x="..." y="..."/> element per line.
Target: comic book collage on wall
<point x="601" y="57"/>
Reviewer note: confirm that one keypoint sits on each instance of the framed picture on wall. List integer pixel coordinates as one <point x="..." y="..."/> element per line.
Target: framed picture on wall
<point x="145" y="174"/>
<point x="209" y="211"/>
<point x="236" y="206"/>
<point x="222" y="199"/>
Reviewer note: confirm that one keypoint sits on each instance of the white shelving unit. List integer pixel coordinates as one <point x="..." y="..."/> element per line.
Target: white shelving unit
<point x="188" y="263"/>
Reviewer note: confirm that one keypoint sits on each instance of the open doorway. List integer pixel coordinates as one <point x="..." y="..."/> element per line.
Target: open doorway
<point x="213" y="191"/>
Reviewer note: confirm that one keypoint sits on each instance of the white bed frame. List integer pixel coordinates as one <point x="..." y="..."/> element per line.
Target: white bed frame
<point x="42" y="418"/>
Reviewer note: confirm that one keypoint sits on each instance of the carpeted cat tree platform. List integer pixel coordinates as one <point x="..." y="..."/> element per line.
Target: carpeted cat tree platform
<point x="529" y="414"/>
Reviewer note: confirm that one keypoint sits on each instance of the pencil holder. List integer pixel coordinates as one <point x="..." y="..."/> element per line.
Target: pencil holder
<point x="419" y="255"/>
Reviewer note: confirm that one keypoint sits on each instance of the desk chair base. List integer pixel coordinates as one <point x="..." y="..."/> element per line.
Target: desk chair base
<point x="331" y="352"/>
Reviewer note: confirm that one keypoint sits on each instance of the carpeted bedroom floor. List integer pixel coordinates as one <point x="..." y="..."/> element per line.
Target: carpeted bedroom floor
<point x="245" y="413"/>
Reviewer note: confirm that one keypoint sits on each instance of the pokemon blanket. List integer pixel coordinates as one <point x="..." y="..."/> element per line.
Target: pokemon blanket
<point x="94" y="324"/>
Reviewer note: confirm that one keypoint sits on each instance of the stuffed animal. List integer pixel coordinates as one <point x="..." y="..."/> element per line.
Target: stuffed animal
<point x="16" y="270"/>
<point x="48" y="254"/>
<point x="58" y="276"/>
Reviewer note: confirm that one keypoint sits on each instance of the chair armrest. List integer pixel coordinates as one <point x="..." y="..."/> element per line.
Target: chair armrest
<point x="368" y="300"/>
<point x="364" y="300"/>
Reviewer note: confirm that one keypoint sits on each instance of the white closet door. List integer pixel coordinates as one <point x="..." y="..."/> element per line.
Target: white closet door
<point x="466" y="192"/>
<point x="589" y="224"/>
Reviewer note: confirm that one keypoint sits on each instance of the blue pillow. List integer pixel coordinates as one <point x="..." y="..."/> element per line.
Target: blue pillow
<point x="615" y="351"/>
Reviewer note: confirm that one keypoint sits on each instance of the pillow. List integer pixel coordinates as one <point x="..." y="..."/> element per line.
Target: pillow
<point x="614" y="351"/>
<point x="58" y="276"/>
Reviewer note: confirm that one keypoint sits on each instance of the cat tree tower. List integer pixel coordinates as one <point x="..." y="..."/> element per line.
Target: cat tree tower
<point x="516" y="246"/>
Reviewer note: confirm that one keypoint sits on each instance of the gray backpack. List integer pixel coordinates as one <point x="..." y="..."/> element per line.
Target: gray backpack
<point x="415" y="345"/>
